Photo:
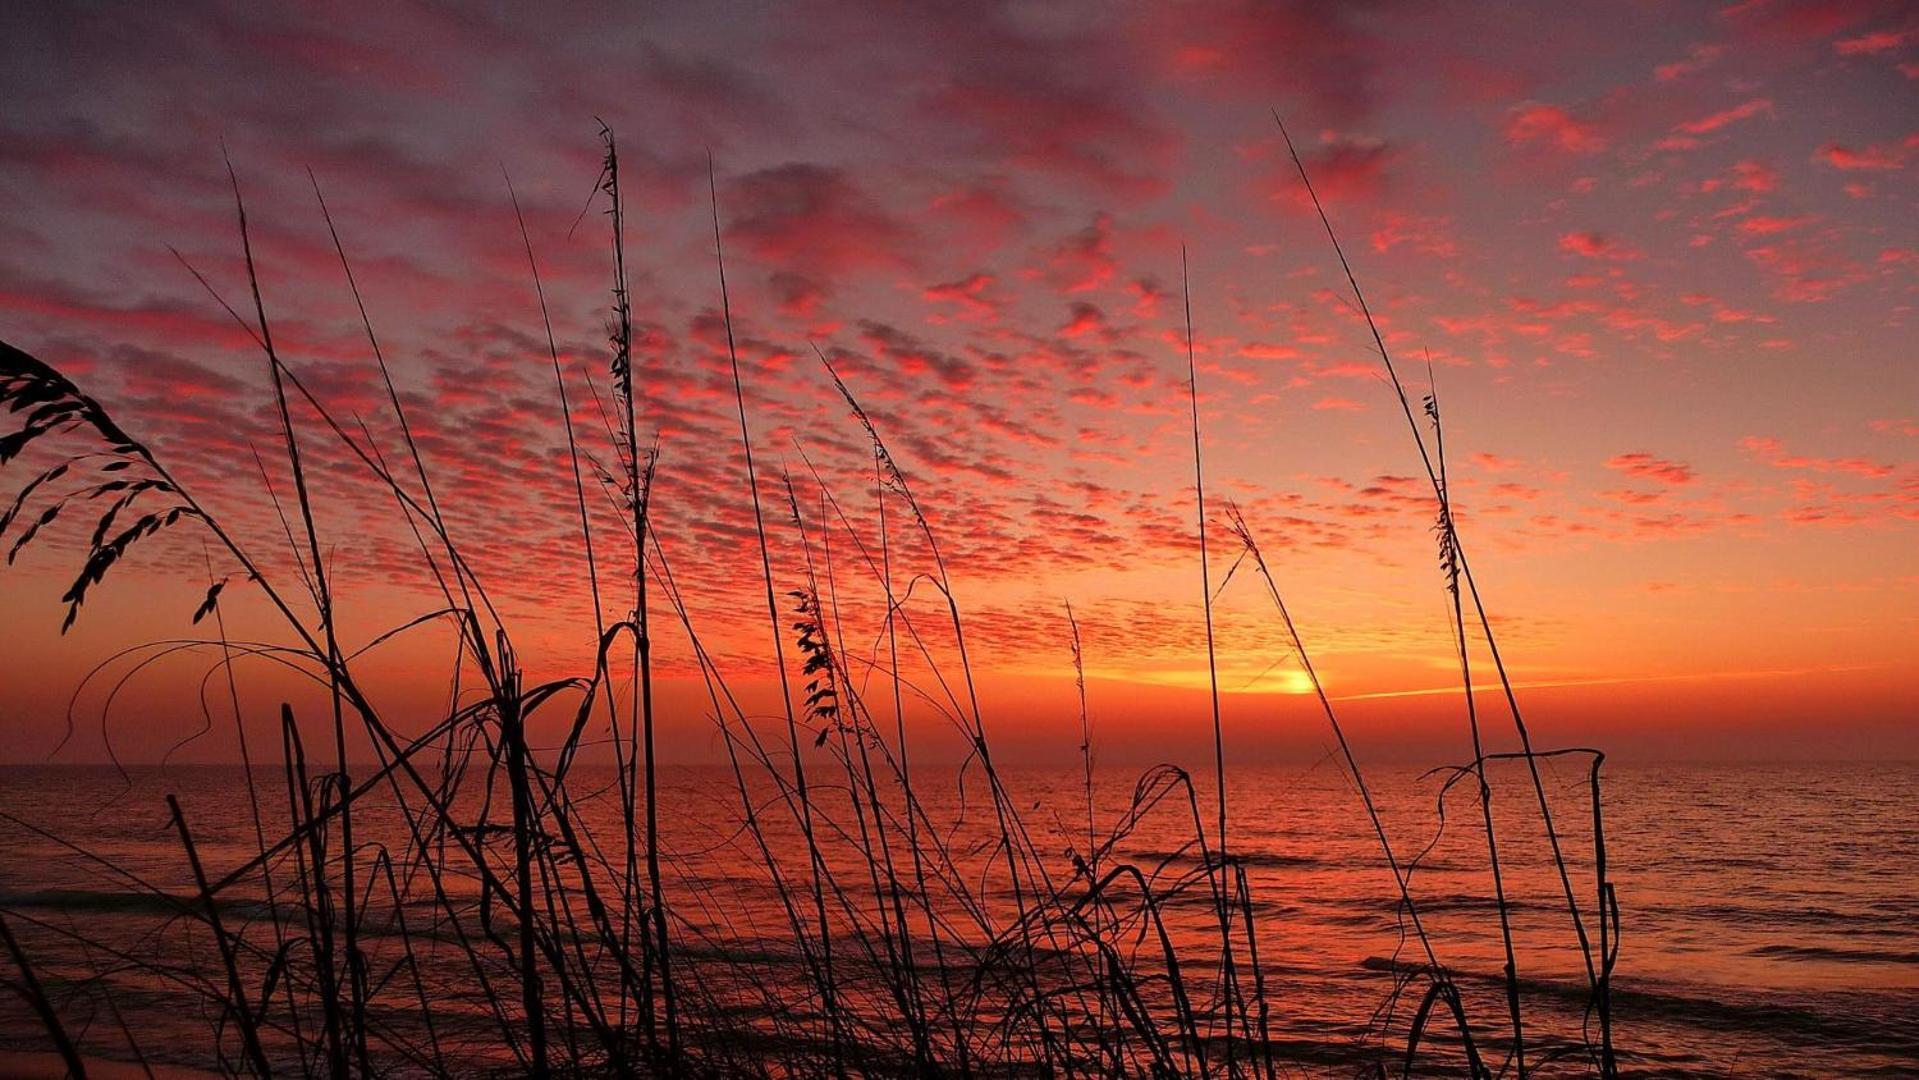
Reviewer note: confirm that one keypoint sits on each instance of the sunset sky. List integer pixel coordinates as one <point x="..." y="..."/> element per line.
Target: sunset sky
<point x="1662" y="258"/>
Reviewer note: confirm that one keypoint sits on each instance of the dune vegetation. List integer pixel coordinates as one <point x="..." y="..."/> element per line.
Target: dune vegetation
<point x="474" y="900"/>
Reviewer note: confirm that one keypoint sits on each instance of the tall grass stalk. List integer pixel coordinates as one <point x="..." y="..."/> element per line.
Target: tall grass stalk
<point x="1229" y="973"/>
<point x="829" y="987"/>
<point x="1456" y="568"/>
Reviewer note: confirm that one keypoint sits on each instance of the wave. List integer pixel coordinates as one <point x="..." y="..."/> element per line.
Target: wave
<point x="97" y="900"/>
<point x="1828" y="952"/>
<point x="1878" y="1022"/>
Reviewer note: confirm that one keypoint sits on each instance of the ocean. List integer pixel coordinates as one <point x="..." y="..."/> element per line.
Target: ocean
<point x="1768" y="915"/>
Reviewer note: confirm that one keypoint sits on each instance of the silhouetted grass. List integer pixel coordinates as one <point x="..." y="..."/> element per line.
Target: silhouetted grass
<point x="461" y="906"/>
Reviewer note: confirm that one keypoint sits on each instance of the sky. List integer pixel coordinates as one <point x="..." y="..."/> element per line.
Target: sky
<point x="1656" y="260"/>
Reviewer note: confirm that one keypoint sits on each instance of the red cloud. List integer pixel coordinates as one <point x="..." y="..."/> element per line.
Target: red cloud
<point x="1552" y="126"/>
<point x="171" y="322"/>
<point x="1057" y="129"/>
<point x="1147" y="293"/>
<point x="798" y="294"/>
<point x="1595" y="245"/>
<point x="1763" y="225"/>
<point x="1427" y="235"/>
<point x="1872" y="44"/>
<point x="1773" y="452"/>
<point x="1798" y="19"/>
<point x="988" y="207"/>
<point x="1229" y="47"/>
<point x="1494" y="463"/>
<point x="813" y="219"/>
<point x="1083" y="318"/>
<point x="1260" y="350"/>
<point x="903" y="352"/>
<point x="1754" y="176"/>
<point x="1345" y="167"/>
<point x="1804" y="272"/>
<point x="968" y="292"/>
<point x="1743" y="111"/>
<point x="1870" y="159"/>
<point x="1084" y="261"/>
<point x="1644" y="466"/>
<point x="1698" y="58"/>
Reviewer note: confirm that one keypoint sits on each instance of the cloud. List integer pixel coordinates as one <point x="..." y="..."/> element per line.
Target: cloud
<point x="906" y="354"/>
<point x="1874" y="43"/>
<point x="1082" y="319"/>
<point x="1260" y="350"/>
<point x="1799" y="20"/>
<point x="1426" y="235"/>
<point x="1772" y="452"/>
<point x="1754" y="176"/>
<point x="1053" y="128"/>
<point x="969" y="292"/>
<point x="1495" y="463"/>
<point x="1698" y="58"/>
<point x="813" y="220"/>
<point x="1885" y="158"/>
<point x="798" y="294"/>
<point x="1805" y="272"/>
<point x="1084" y="260"/>
<point x="1339" y="404"/>
<point x="989" y="207"/>
<point x="1232" y="48"/>
<point x="1343" y="167"/>
<point x="1595" y="245"/>
<point x="1644" y="466"/>
<point x="1766" y="225"/>
<point x="1553" y="127"/>
<point x="1745" y="110"/>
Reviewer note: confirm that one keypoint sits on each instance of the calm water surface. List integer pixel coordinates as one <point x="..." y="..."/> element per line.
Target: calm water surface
<point x="1770" y="915"/>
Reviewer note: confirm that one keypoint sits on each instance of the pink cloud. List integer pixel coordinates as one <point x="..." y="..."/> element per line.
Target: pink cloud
<point x="1772" y="452"/>
<point x="1870" y="159"/>
<point x="1764" y="225"/>
<point x="1259" y="350"/>
<point x="969" y="292"/>
<point x="1798" y="20"/>
<point x="1595" y="245"/>
<point x="1754" y="176"/>
<point x="1074" y="132"/>
<point x="1744" y="111"/>
<point x="1644" y="466"/>
<point x="1228" y="48"/>
<point x="1084" y="261"/>
<point x="1552" y="126"/>
<point x="1343" y="167"/>
<point x="1872" y="44"/>
<point x="1426" y="235"/>
<point x="814" y="220"/>
<point x="1082" y="319"/>
<point x="989" y="206"/>
<point x="1805" y="272"/>
<point x="903" y="352"/>
<point x="1698" y="58"/>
